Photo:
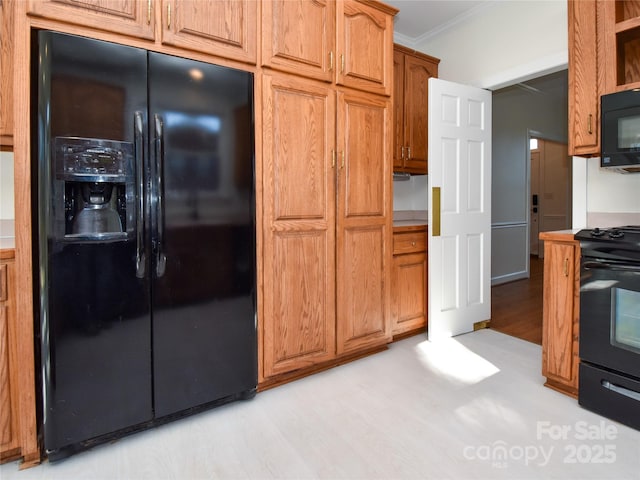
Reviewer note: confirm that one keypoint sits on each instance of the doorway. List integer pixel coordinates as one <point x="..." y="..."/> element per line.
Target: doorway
<point x="550" y="189"/>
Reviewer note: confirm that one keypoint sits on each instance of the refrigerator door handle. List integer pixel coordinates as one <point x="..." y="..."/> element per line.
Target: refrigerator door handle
<point x="161" y="259"/>
<point x="140" y="204"/>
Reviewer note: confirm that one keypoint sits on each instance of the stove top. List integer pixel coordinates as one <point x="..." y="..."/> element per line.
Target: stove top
<point x="625" y="234"/>
<point x="611" y="242"/>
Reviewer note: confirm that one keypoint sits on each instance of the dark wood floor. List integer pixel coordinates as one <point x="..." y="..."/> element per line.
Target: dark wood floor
<point x="516" y="307"/>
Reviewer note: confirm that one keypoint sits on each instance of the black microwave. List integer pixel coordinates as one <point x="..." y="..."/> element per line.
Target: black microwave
<point x="620" y="131"/>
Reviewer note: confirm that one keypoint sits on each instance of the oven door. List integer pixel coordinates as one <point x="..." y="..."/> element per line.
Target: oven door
<point x="610" y="314"/>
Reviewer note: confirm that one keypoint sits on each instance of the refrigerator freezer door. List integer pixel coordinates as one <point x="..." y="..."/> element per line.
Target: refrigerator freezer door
<point x="204" y="333"/>
<point x="95" y="311"/>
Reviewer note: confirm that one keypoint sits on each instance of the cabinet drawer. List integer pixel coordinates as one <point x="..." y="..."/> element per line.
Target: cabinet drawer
<point x="409" y="242"/>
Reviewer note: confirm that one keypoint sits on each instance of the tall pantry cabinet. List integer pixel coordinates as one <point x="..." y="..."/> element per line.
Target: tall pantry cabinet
<point x="326" y="143"/>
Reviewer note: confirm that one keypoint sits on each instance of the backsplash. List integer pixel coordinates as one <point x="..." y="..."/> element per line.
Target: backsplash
<point x="412" y="194"/>
<point x="6" y="186"/>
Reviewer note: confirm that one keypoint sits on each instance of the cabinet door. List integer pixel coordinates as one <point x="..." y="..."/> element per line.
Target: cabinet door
<point x="299" y="224"/>
<point x="584" y="100"/>
<point x="417" y="73"/>
<point x="9" y="415"/>
<point x="363" y="245"/>
<point x="409" y="292"/>
<point x="227" y="28"/>
<point x="6" y="67"/>
<point x="365" y="46"/>
<point x="560" y="315"/>
<point x="128" y="17"/>
<point x="299" y="37"/>
<point x="398" y="110"/>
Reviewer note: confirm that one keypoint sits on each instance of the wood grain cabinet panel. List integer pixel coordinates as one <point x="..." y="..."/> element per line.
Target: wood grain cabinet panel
<point x="299" y="224"/>
<point x="9" y="412"/>
<point x="363" y="221"/>
<point x="134" y="18"/>
<point x="409" y="281"/>
<point x="364" y="46"/>
<point x="412" y="72"/>
<point x="561" y="305"/>
<point x="299" y="37"/>
<point x="217" y="27"/>
<point x="6" y="67"/>
<point x="584" y="91"/>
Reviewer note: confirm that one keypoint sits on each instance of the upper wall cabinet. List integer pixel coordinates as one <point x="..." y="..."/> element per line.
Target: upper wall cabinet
<point x="6" y="79"/>
<point x="411" y="72"/>
<point x="621" y="38"/>
<point x="604" y="47"/>
<point x="347" y="41"/>
<point x="584" y="85"/>
<point x="365" y="46"/>
<point x="223" y="28"/>
<point x="301" y="47"/>
<point x="134" y="18"/>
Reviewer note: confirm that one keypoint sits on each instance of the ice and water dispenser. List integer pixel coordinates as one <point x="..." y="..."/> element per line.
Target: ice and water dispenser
<point x="94" y="189"/>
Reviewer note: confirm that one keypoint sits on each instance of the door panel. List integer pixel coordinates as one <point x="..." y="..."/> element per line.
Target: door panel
<point x="460" y="213"/>
<point x="364" y="223"/>
<point x="204" y="339"/>
<point x="301" y="47"/>
<point x="215" y="27"/>
<point x="299" y="222"/>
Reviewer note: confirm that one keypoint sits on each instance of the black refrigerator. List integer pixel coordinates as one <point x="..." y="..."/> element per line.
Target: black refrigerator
<point x="145" y="238"/>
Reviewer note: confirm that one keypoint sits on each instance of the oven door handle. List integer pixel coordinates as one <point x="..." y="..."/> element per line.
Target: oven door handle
<point x="620" y="390"/>
<point x="611" y="266"/>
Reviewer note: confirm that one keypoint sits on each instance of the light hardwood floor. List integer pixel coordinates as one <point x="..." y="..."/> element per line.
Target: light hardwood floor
<point x="470" y="407"/>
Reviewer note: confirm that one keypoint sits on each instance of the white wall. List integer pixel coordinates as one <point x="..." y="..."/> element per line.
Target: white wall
<point x="508" y="40"/>
<point x="6" y="186"/>
<point x="412" y="194"/>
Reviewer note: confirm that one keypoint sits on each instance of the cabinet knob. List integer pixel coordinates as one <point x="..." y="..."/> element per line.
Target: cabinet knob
<point x="413" y="244"/>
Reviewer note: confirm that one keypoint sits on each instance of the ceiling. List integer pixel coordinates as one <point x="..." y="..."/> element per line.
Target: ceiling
<point x="419" y="19"/>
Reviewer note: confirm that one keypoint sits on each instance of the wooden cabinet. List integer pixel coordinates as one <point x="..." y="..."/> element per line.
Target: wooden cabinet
<point x="224" y="28"/>
<point x="347" y="42"/>
<point x="584" y="85"/>
<point x="364" y="221"/>
<point x="9" y="413"/>
<point x="6" y="67"/>
<point x="365" y="45"/>
<point x="299" y="224"/>
<point x="326" y="221"/>
<point x="409" y="281"/>
<point x="411" y="72"/>
<point x="302" y="47"/>
<point x="620" y="26"/>
<point x="604" y="47"/>
<point x="135" y="18"/>
<point x="561" y="311"/>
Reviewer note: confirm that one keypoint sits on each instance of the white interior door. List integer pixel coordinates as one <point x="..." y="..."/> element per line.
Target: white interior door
<point x="460" y="209"/>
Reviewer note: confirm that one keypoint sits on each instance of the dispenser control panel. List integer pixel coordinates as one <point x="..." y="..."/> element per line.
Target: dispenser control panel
<point x="91" y="160"/>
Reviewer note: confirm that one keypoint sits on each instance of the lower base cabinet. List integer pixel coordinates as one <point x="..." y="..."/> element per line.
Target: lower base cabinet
<point x="409" y="281"/>
<point x="561" y="312"/>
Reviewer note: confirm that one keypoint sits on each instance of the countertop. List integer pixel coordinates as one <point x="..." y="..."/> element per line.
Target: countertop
<point x="559" y="235"/>
<point x="410" y="218"/>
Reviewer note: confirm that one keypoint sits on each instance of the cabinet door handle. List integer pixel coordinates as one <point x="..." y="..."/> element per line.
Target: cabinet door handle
<point x="402" y="152"/>
<point x="342" y="162"/>
<point x="333" y="159"/>
<point x="331" y="61"/>
<point x="148" y="12"/>
<point x="168" y="15"/>
<point x="590" y="124"/>
<point x="342" y="63"/>
<point x="409" y="152"/>
<point x="4" y="288"/>
<point x="566" y="267"/>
